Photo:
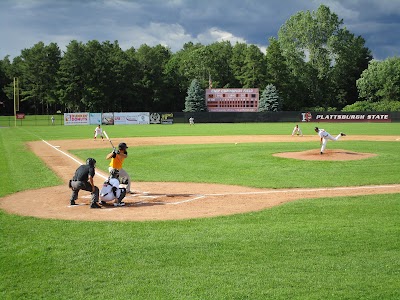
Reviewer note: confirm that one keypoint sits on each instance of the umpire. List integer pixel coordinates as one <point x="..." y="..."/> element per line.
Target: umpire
<point x="83" y="180"/>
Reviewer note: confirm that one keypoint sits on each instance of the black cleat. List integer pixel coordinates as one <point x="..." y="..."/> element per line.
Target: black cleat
<point x="94" y="205"/>
<point x="342" y="134"/>
<point x="72" y="203"/>
<point x="321" y="153"/>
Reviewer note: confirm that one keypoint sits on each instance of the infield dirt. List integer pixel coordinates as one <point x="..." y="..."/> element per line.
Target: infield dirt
<point x="171" y="200"/>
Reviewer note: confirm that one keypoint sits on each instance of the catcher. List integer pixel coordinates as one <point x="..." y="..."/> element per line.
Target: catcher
<point x="83" y="180"/>
<point x="111" y="190"/>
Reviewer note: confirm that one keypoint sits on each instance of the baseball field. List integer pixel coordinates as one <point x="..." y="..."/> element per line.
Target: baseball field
<point x="221" y="211"/>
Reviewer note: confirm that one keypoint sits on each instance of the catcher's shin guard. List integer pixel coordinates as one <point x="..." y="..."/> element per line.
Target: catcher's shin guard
<point x="122" y="195"/>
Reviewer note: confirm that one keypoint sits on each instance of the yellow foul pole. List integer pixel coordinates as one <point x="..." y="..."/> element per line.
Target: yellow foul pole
<point x="16" y="99"/>
<point x="15" y="106"/>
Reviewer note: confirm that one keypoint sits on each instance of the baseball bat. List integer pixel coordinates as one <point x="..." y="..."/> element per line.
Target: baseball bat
<point x="105" y="133"/>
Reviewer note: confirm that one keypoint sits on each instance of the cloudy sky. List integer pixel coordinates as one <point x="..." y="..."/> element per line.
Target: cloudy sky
<point x="23" y="23"/>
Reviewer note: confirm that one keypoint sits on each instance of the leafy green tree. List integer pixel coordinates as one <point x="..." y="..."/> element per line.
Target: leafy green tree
<point x="218" y="56"/>
<point x="6" y="103"/>
<point x="254" y="67"/>
<point x="107" y="81"/>
<point x="373" y="106"/>
<point x="279" y="75"/>
<point x="386" y="105"/>
<point x="187" y="63"/>
<point x="195" y="100"/>
<point x="203" y="62"/>
<point x="101" y="77"/>
<point x="269" y="100"/>
<point x="314" y="45"/>
<point x="96" y="76"/>
<point x="380" y="81"/>
<point x="237" y="64"/>
<point x="14" y="70"/>
<point x="198" y="64"/>
<point x="176" y="82"/>
<point x="39" y="66"/>
<point x="351" y="60"/>
<point x="152" y="62"/>
<point x="72" y="77"/>
<point x="127" y="74"/>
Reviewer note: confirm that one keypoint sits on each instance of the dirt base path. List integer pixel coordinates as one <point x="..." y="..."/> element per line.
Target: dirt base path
<point x="171" y="200"/>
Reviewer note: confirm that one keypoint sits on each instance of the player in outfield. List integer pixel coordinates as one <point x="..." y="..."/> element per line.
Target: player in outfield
<point x="98" y="132"/>
<point x="325" y="136"/>
<point x="297" y="131"/>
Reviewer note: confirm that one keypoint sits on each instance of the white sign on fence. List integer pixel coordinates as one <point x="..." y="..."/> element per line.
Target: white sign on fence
<point x="76" y="119"/>
<point x="129" y="118"/>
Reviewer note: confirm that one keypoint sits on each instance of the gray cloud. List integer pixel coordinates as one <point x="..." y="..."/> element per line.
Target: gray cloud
<point x="175" y="22"/>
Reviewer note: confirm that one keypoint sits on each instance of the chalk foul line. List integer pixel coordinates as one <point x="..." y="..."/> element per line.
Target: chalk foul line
<point x="201" y="196"/>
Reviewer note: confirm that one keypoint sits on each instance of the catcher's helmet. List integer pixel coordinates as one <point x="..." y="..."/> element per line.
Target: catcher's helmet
<point x="114" y="173"/>
<point x="91" y="161"/>
<point x="122" y="146"/>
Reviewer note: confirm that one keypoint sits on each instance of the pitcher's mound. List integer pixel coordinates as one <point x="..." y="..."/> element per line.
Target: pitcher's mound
<point x="335" y="154"/>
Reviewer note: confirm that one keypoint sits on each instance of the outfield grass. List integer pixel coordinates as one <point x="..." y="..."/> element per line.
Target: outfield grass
<point x="330" y="248"/>
<point x="87" y="131"/>
<point x="253" y="164"/>
<point x="32" y="120"/>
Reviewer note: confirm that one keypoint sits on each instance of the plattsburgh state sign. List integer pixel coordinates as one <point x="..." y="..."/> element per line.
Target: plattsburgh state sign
<point x="344" y="117"/>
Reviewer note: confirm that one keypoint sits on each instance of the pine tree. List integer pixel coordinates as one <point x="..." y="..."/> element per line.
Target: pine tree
<point x="195" y="99"/>
<point x="270" y="100"/>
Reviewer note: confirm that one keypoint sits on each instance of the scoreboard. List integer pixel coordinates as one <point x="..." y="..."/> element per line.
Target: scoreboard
<point x="232" y="100"/>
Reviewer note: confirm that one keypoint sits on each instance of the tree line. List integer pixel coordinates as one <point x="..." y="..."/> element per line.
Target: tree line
<point x="314" y="63"/>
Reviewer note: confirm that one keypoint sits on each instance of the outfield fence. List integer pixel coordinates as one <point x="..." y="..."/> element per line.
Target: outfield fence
<point x="217" y="117"/>
<point x="32" y="120"/>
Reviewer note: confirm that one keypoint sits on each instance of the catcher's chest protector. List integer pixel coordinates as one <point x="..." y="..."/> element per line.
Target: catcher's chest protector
<point x="106" y="190"/>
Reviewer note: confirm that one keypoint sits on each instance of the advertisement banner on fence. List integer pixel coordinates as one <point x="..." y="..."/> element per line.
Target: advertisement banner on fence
<point x="95" y="118"/>
<point x="162" y="118"/>
<point x="345" y="117"/>
<point x="76" y="118"/>
<point x="167" y="118"/>
<point x="131" y="118"/>
<point x="107" y="119"/>
<point x="155" y="118"/>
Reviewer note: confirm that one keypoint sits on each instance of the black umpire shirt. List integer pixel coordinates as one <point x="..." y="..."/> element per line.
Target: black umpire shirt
<point x="83" y="173"/>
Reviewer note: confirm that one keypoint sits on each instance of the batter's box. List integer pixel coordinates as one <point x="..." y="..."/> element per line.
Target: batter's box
<point x="165" y="199"/>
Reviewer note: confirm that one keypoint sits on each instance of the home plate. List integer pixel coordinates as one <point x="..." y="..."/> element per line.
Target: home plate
<point x="76" y="205"/>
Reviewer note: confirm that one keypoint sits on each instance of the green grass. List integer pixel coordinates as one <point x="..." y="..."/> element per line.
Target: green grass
<point x="253" y="164"/>
<point x="321" y="249"/>
<point x="21" y="169"/>
<point x="32" y="120"/>
<point x="329" y="248"/>
<point x="87" y="131"/>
